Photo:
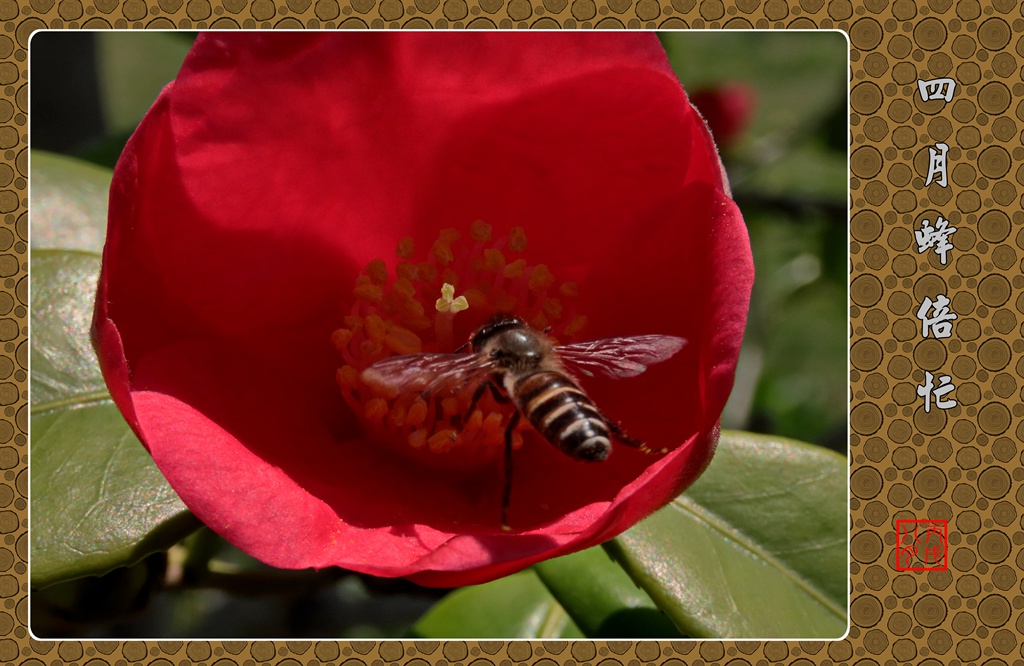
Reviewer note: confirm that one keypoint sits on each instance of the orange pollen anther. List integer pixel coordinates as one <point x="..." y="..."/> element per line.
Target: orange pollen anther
<point x="416" y="307"/>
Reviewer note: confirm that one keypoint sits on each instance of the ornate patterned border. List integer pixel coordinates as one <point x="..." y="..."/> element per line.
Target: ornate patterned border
<point x="917" y="158"/>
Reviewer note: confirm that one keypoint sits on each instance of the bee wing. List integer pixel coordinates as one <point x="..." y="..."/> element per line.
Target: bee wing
<point x="618" y="357"/>
<point x="426" y="373"/>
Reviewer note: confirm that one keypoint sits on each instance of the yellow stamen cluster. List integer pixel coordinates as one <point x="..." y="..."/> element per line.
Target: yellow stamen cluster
<point x="402" y="314"/>
<point x="448" y="302"/>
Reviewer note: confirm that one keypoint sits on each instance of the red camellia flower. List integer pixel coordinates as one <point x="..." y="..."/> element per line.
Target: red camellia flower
<point x="290" y="211"/>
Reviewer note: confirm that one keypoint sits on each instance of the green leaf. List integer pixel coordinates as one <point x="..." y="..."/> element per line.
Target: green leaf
<point x="755" y="549"/>
<point x="69" y="203"/>
<point x="98" y="501"/>
<point x="602" y="599"/>
<point x="517" y="606"/>
<point x="133" y="67"/>
<point x="64" y="366"/>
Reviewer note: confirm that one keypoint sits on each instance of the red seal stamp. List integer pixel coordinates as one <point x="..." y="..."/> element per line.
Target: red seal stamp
<point x="921" y="545"/>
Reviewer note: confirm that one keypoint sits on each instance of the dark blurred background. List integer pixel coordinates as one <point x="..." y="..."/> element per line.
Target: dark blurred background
<point x="777" y="103"/>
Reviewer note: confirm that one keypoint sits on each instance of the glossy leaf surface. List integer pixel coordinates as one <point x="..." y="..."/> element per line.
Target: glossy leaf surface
<point x="98" y="501"/>
<point x="755" y="549"/>
<point x="69" y="203"/>
<point x="517" y="606"/>
<point x="602" y="599"/>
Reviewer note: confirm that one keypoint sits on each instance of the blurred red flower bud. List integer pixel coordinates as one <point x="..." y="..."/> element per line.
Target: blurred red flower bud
<point x="727" y="108"/>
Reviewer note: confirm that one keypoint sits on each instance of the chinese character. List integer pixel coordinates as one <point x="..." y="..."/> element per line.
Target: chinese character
<point x="921" y="545"/>
<point x="936" y="89"/>
<point x="935" y="544"/>
<point x="937" y="237"/>
<point x="939" y="324"/>
<point x="937" y="165"/>
<point x="926" y="392"/>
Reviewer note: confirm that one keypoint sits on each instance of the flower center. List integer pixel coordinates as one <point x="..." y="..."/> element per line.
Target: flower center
<point x="415" y="311"/>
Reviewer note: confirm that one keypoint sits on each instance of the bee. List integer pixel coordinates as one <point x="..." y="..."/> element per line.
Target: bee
<point x="523" y="366"/>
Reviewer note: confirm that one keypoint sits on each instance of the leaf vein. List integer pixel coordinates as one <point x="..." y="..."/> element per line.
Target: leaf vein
<point x="716" y="522"/>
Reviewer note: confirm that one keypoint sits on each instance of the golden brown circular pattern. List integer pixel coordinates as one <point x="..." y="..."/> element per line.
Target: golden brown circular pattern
<point x="866" y="418"/>
<point x="1004" y="449"/>
<point x="899" y="431"/>
<point x="899" y="367"/>
<point x="875" y="577"/>
<point x="905" y="329"/>
<point x="939" y="642"/>
<point x="964" y="430"/>
<point x="904" y="457"/>
<point x="929" y="482"/>
<point x="866" y="610"/>
<point x="894" y="44"/>
<point x="866" y="354"/>
<point x="930" y="354"/>
<point x="994" y="354"/>
<point x="904" y="265"/>
<point x="875" y="257"/>
<point x="931" y="422"/>
<point x="1004" y="321"/>
<point x="1004" y="514"/>
<point x="875" y="449"/>
<point x="994" y="162"/>
<point x="875" y="641"/>
<point x="876" y="385"/>
<point x="1003" y="192"/>
<point x="866" y="98"/>
<point x="900" y="495"/>
<point x="994" y="98"/>
<point x="964" y="495"/>
<point x="866" y="546"/>
<point x="929" y="286"/>
<point x="900" y="624"/>
<point x="929" y="610"/>
<point x="899" y="302"/>
<point x="968" y="522"/>
<point x="904" y="586"/>
<point x="994" y="226"/>
<point x="866" y="483"/>
<point x="875" y="321"/>
<point x="939" y="449"/>
<point x="875" y="514"/>
<point x="1004" y="577"/>
<point x="994" y="482"/>
<point x="1004" y="641"/>
<point x="994" y="610"/>
<point x="964" y="367"/>
<point x="994" y="418"/>
<point x="866" y="162"/>
<point x="866" y="226"/>
<point x="968" y="457"/>
<point x="994" y="547"/>
<point x="866" y="290"/>
<point x="964" y="559"/>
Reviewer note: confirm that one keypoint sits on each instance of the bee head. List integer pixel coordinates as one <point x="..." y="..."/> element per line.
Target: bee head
<point x="494" y="327"/>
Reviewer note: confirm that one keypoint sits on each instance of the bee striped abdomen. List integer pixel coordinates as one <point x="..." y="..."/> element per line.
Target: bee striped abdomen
<point x="563" y="414"/>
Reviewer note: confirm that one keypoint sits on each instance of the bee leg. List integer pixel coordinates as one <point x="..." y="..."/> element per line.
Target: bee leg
<point x="496" y="393"/>
<point x="479" y="393"/>
<point x="507" y="495"/>
<point x="627" y="439"/>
